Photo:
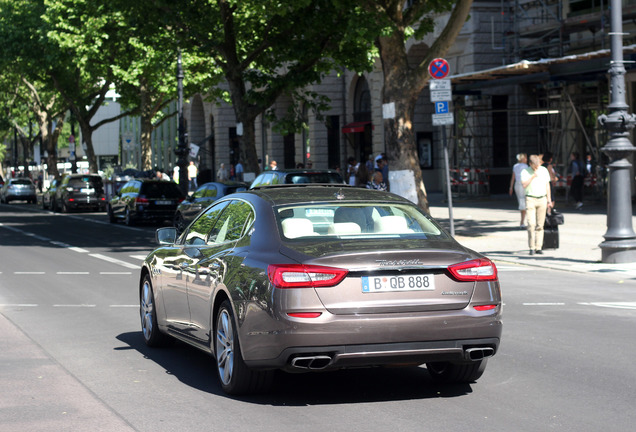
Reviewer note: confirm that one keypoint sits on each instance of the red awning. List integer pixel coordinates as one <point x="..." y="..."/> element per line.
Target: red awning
<point x="356" y="127"/>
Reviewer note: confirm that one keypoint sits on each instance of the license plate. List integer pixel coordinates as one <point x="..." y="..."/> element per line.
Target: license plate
<point x="87" y="190"/>
<point x="422" y="282"/>
<point x="159" y="202"/>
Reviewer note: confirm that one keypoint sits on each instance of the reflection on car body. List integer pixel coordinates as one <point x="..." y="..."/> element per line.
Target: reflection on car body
<point x="306" y="278"/>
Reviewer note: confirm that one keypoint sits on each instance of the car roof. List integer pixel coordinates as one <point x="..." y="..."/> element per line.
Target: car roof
<point x="314" y="192"/>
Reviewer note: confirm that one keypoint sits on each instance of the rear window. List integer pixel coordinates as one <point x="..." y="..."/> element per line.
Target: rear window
<point x="356" y="220"/>
<point x="161" y="189"/>
<point x="234" y="189"/>
<point x="317" y="177"/>
<point x="21" y="182"/>
<point x="91" y="181"/>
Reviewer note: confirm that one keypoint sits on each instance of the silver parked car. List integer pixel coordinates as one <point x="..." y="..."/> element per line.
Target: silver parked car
<point x="18" y="189"/>
<point x="314" y="278"/>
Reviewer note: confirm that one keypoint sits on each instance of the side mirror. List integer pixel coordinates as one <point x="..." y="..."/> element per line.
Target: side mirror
<point x="166" y="235"/>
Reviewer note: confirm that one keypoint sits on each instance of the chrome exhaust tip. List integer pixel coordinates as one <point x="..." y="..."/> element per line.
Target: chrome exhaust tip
<point x="476" y="354"/>
<point x="311" y="363"/>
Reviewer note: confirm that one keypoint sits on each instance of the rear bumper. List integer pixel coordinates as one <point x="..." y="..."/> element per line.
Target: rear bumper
<point x="369" y="340"/>
<point x="301" y="359"/>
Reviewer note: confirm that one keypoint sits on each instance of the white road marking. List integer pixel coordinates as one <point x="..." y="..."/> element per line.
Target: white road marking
<point x="72" y="273"/>
<point x="614" y="305"/>
<point x="139" y="257"/>
<point x="18" y="305"/>
<point x="512" y="268"/>
<point x="74" y="305"/>
<point x="69" y="247"/>
<point x="29" y="273"/>
<point x="543" y="304"/>
<point x="115" y="273"/>
<point x="115" y="261"/>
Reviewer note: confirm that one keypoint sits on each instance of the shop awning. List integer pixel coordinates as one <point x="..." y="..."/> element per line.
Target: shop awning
<point x="356" y="127"/>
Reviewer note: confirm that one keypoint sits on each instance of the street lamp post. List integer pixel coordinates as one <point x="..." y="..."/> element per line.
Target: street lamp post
<point x="182" y="149"/>
<point x="620" y="239"/>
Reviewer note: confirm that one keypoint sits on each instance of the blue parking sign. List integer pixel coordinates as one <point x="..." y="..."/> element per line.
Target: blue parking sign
<point x="441" y="107"/>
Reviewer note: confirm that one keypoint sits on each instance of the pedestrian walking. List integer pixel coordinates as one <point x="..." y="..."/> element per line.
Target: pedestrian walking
<point x="352" y="169"/>
<point x="536" y="181"/>
<point x="554" y="177"/>
<point x="578" y="176"/>
<point x="222" y="173"/>
<point x="192" y="175"/>
<point x="239" y="171"/>
<point x="517" y="187"/>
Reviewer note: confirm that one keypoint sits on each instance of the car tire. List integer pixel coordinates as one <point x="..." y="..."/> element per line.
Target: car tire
<point x="111" y="216"/>
<point x="128" y="219"/>
<point x="235" y="377"/>
<point x="454" y="373"/>
<point x="179" y="222"/>
<point x="153" y="337"/>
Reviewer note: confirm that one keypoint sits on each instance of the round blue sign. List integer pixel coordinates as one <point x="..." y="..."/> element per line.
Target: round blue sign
<point x="438" y="68"/>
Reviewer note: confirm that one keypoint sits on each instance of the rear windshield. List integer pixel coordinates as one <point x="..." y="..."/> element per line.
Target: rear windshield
<point x="372" y="220"/>
<point x="91" y="181"/>
<point x="233" y="189"/>
<point x="161" y="189"/>
<point x="317" y="177"/>
<point x="21" y="182"/>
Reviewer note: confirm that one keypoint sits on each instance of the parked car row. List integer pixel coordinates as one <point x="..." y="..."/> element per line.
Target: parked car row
<point x="143" y="199"/>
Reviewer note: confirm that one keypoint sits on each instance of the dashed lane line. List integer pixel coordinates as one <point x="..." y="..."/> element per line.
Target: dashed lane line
<point x="115" y="261"/>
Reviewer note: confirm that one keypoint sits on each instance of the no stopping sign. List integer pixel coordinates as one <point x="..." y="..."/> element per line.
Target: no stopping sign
<point x="438" y="68"/>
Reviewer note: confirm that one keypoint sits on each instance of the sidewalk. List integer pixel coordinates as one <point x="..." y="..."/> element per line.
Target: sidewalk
<point x="490" y="225"/>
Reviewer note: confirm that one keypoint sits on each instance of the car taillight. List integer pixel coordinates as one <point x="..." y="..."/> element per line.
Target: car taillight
<point x="482" y="308"/>
<point x="141" y="200"/>
<point x="304" y="276"/>
<point x="474" y="270"/>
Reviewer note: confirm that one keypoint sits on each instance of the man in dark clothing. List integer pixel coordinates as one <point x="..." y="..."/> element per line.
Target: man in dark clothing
<point x="576" y="189"/>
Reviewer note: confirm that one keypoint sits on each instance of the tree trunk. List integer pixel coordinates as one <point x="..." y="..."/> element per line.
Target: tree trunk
<point x="146" y="126"/>
<point x="87" y="137"/>
<point x="402" y="86"/>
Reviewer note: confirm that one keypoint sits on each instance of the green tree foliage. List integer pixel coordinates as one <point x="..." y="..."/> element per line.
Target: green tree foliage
<point x="28" y="92"/>
<point x="268" y="49"/>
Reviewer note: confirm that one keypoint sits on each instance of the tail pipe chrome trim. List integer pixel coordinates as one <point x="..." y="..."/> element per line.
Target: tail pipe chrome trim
<point x="476" y="354"/>
<point x="311" y="362"/>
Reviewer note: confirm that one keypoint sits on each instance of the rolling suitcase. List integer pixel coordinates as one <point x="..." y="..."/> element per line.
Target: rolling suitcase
<point x="551" y="237"/>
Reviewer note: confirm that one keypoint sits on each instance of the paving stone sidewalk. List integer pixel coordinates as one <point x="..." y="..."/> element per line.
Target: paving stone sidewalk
<point x="490" y="226"/>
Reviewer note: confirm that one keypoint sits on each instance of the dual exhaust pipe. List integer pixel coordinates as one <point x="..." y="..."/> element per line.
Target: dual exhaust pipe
<point x="311" y="362"/>
<point x="319" y="362"/>
<point x="476" y="354"/>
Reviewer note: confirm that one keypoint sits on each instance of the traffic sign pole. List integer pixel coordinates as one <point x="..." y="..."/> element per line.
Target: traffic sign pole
<point x="441" y="94"/>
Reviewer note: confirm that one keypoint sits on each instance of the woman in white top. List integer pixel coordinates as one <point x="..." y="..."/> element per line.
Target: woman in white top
<point x="515" y="184"/>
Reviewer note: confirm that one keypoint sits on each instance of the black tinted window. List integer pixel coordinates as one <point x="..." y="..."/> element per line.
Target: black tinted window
<point x="161" y="189"/>
<point x="21" y="182"/>
<point x="317" y="177"/>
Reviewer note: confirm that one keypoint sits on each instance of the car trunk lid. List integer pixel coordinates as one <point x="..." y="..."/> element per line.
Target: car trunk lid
<point x="389" y="277"/>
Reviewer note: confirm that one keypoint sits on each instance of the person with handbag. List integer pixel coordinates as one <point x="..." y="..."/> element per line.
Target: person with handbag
<point x="536" y="181"/>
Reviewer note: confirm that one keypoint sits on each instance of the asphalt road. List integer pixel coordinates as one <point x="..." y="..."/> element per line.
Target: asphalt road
<point x="72" y="356"/>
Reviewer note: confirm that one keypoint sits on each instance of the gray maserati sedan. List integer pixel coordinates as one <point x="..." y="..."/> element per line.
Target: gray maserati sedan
<point x="307" y="278"/>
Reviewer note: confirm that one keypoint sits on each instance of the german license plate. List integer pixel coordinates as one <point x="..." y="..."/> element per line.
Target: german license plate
<point x="87" y="190"/>
<point x="421" y="282"/>
<point x="160" y="202"/>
